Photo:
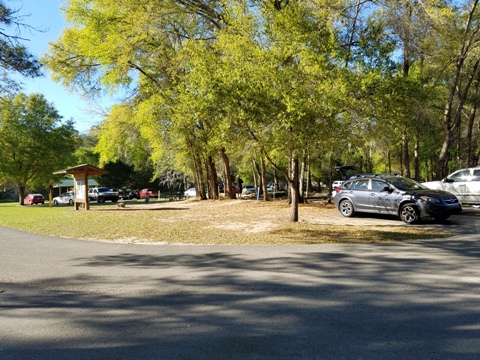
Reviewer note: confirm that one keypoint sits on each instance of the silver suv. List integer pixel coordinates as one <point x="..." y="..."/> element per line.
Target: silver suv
<point x="395" y="195"/>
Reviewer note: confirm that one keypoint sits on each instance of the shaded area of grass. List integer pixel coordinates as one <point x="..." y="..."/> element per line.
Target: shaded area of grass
<point x="226" y="222"/>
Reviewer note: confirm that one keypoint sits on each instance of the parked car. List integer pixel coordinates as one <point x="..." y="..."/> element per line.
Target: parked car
<point x="395" y="195"/>
<point x="464" y="183"/>
<point x="190" y="192"/>
<point x="127" y="194"/>
<point x="102" y="194"/>
<point x="65" y="198"/>
<point x="151" y="193"/>
<point x="346" y="172"/>
<point x="248" y="190"/>
<point x="336" y="187"/>
<point x="337" y="183"/>
<point x="31" y="199"/>
<point x="279" y="188"/>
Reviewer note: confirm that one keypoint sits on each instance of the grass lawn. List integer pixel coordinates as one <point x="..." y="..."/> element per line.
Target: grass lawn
<point x="207" y="222"/>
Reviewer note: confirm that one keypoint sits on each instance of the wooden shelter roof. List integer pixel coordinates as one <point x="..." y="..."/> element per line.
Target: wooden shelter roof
<point x="81" y="169"/>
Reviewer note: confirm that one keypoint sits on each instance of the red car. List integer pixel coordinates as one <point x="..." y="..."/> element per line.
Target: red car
<point x="34" y="199"/>
<point x="149" y="191"/>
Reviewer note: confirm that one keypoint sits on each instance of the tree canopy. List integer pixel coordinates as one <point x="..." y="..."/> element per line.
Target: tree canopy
<point x="33" y="141"/>
<point x="216" y="85"/>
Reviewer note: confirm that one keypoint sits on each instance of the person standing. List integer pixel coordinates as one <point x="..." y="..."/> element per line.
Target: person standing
<point x="239" y="187"/>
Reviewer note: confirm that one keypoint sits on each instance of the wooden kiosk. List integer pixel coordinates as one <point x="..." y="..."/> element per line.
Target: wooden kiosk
<point x="80" y="183"/>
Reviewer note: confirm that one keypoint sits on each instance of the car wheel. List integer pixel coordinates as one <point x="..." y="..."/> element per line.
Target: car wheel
<point x="70" y="202"/>
<point x="100" y="200"/>
<point x="55" y="202"/>
<point x="346" y="208"/>
<point x="409" y="213"/>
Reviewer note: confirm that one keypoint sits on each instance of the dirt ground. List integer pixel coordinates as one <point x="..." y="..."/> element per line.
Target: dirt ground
<point x="258" y="216"/>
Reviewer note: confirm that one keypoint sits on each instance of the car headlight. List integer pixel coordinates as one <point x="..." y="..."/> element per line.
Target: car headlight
<point x="430" y="200"/>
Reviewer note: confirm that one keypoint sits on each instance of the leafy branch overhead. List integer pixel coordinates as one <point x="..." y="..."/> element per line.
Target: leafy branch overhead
<point x="14" y="57"/>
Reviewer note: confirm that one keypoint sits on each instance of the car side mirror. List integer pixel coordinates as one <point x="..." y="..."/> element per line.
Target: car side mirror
<point x="447" y="180"/>
<point x="387" y="189"/>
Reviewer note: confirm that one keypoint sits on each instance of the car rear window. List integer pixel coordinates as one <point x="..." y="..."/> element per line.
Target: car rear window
<point x="361" y="184"/>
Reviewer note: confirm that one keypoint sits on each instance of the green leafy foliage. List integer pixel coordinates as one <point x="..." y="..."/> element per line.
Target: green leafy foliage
<point x="33" y="141"/>
<point x="361" y="82"/>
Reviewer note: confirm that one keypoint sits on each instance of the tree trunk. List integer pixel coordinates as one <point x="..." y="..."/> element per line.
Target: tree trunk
<point x="309" y="178"/>
<point x="389" y="160"/>
<point x="457" y="95"/>
<point x="294" y="189"/>
<point x="301" y="180"/>
<point x="256" y="175"/>
<point x="228" y="186"/>
<point x="417" y="156"/>
<point x="443" y="158"/>
<point x="275" y="180"/>
<point x="471" y="123"/>
<point x="212" y="179"/>
<point x="289" y="182"/>
<point x="330" y="177"/>
<point x="198" y="177"/>
<point x="264" y="178"/>
<point x="21" y="194"/>
<point x="405" y="156"/>
<point x="292" y="182"/>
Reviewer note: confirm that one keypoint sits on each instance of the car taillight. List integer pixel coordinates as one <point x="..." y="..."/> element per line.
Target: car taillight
<point x="337" y="190"/>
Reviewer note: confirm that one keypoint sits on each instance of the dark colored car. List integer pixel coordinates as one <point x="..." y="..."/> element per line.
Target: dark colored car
<point x="102" y="194"/>
<point x="127" y="194"/>
<point x="34" y="199"/>
<point x="394" y="195"/>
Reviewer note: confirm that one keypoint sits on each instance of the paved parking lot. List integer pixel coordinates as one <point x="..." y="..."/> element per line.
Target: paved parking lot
<point x="62" y="298"/>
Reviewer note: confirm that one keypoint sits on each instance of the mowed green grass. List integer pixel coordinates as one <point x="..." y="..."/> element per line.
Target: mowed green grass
<point x="203" y="222"/>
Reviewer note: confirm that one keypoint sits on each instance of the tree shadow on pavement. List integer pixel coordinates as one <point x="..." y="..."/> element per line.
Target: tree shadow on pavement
<point x="387" y="301"/>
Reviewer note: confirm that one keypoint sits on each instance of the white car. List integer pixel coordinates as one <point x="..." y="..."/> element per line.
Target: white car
<point x="190" y="193"/>
<point x="464" y="183"/>
<point x="65" y="198"/>
<point x="249" y="190"/>
<point x="336" y="184"/>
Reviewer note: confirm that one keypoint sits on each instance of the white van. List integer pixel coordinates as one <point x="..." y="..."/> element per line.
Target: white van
<point x="464" y="183"/>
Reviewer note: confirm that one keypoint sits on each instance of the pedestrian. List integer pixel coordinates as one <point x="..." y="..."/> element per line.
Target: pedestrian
<point x="239" y="187"/>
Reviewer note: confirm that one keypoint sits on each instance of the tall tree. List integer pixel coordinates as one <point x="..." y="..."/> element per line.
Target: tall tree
<point x="33" y="141"/>
<point x="465" y="67"/>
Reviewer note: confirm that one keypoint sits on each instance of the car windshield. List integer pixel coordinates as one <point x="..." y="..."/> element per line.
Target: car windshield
<point x="103" y="189"/>
<point x="405" y="184"/>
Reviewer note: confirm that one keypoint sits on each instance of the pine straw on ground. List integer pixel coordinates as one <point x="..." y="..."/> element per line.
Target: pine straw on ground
<point x="246" y="222"/>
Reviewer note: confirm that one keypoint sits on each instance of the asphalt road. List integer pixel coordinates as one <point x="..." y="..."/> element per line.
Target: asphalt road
<point x="69" y="299"/>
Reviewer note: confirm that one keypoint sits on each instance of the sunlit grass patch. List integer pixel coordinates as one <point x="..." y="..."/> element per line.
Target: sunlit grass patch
<point x="203" y="222"/>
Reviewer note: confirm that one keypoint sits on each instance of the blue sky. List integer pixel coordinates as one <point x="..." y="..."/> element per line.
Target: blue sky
<point x="46" y="14"/>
